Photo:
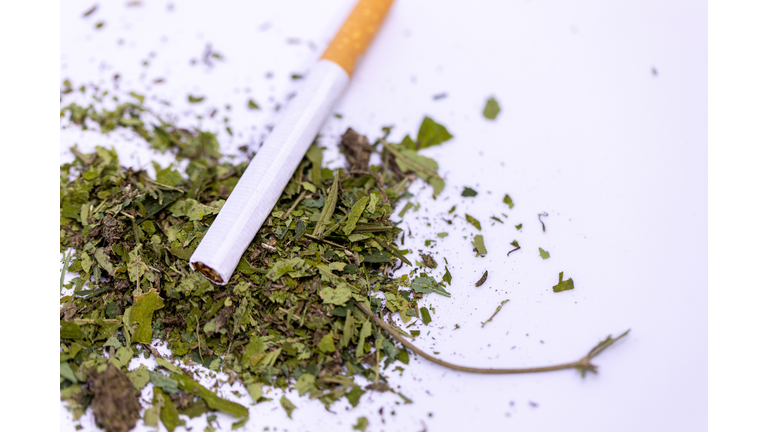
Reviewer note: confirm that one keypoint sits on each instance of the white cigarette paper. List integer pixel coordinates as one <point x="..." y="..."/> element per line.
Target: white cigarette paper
<point x="257" y="192"/>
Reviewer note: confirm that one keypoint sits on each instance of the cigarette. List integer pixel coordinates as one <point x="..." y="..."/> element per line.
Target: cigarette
<point x="257" y="192"/>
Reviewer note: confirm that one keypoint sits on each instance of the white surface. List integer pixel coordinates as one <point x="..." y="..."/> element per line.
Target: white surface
<point x="268" y="173"/>
<point x="616" y="156"/>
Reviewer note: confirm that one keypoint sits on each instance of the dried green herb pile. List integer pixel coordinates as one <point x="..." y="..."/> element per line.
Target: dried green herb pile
<point x="288" y="316"/>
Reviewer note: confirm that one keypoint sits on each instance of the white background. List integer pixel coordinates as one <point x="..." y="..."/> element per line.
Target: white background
<point x="615" y="154"/>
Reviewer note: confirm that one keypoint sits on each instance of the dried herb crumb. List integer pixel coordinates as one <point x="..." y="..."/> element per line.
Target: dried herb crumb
<point x="482" y="279"/>
<point x="475" y="223"/>
<point x="563" y="285"/>
<point x="491" y="109"/>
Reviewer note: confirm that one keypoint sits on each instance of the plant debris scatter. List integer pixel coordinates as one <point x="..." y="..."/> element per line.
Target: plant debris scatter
<point x="310" y="305"/>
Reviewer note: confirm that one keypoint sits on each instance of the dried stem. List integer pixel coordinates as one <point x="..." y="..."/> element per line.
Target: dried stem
<point x="295" y="203"/>
<point x="583" y="365"/>
<point x="545" y="214"/>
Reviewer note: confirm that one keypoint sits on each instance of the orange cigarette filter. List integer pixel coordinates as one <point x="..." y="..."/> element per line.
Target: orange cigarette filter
<point x="356" y="33"/>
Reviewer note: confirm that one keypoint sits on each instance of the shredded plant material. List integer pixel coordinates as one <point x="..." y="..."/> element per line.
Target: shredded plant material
<point x="309" y="307"/>
<point x="543" y="254"/>
<point x="563" y="285"/>
<point x="287" y="316"/>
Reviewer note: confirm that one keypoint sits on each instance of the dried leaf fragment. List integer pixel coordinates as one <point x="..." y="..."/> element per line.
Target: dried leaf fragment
<point x="491" y="109"/>
<point x="287" y="405"/>
<point x="563" y="285"/>
<point x="361" y="425"/>
<point x="475" y="223"/>
<point x="482" y="279"/>
<point x="479" y="246"/>
<point x="142" y="311"/>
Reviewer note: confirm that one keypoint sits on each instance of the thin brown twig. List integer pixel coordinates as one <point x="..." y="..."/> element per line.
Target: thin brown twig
<point x="325" y="241"/>
<point x="295" y="203"/>
<point x="545" y="214"/>
<point x="583" y="365"/>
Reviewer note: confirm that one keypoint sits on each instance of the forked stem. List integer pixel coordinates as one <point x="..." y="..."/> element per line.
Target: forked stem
<point x="583" y="365"/>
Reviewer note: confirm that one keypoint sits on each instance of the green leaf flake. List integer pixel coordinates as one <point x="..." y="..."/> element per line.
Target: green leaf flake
<point x="354" y="215"/>
<point x="491" y="109"/>
<point x="544" y="254"/>
<point x="427" y="284"/>
<point x="70" y="330"/>
<point x="167" y="176"/>
<point x="426" y="318"/>
<point x="169" y="385"/>
<point x="168" y="365"/>
<point x="479" y="245"/>
<point x="563" y="285"/>
<point x="374" y="201"/>
<point x="65" y="371"/>
<point x="193" y="210"/>
<point x="67" y="258"/>
<point x="353" y="396"/>
<point x="409" y="160"/>
<point x="137" y="96"/>
<point x="432" y="133"/>
<point x="362" y="424"/>
<point x="294" y="267"/>
<point x="349" y="329"/>
<point x="287" y="406"/>
<point x="405" y="209"/>
<point x="122" y="357"/>
<point x="256" y="391"/>
<point x="519" y="227"/>
<point x="195" y="99"/>
<point x="85" y="262"/>
<point x="338" y="296"/>
<point x="468" y="192"/>
<point x="326" y="344"/>
<point x="305" y="383"/>
<point x="214" y="402"/>
<point x="447" y="278"/>
<point x="152" y="414"/>
<point x="442" y="234"/>
<point x="516" y="245"/>
<point x="508" y="201"/>
<point x="143" y="308"/>
<point x="139" y="377"/>
<point x="365" y="332"/>
<point x="168" y="414"/>
<point x="103" y="261"/>
<point x="329" y="207"/>
<point x="396" y="303"/>
<point x="473" y="221"/>
<point x="253" y="105"/>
